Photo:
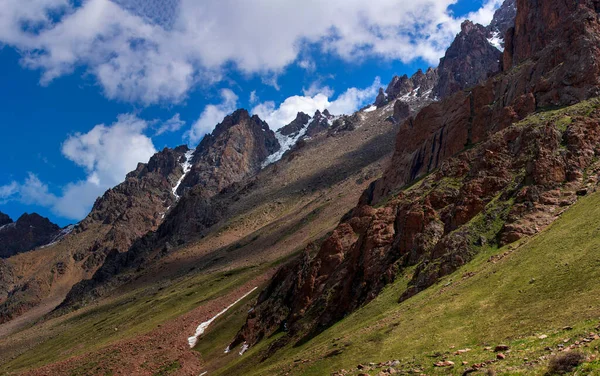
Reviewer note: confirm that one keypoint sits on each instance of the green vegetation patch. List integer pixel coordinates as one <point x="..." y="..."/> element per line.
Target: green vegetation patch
<point x="521" y="295"/>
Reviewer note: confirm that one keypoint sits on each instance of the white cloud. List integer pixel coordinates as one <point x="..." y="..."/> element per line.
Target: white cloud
<point x="106" y="153"/>
<point x="346" y="103"/>
<point x="8" y="190"/>
<point x="485" y="14"/>
<point x="211" y="116"/>
<point x="31" y="192"/>
<point x="316" y="88"/>
<point x="156" y="50"/>
<point x="253" y="97"/>
<point x="34" y="192"/>
<point x="172" y="125"/>
<point x="307" y="64"/>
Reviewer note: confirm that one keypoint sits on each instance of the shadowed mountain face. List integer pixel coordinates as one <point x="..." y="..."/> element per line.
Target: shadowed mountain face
<point x="28" y="232"/>
<point x="235" y="150"/>
<point x="477" y="159"/>
<point x="4" y="219"/>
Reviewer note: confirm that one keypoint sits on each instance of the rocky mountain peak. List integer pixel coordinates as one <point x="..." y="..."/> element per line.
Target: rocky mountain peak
<point x="469" y="60"/>
<point x="28" y="232"/>
<point x="418" y="85"/>
<point x="234" y="150"/>
<point x="163" y="163"/>
<point x="381" y="99"/>
<point x="296" y="125"/>
<point x="320" y="122"/>
<point x="472" y="58"/>
<point x="504" y="18"/>
<point x="4" y="219"/>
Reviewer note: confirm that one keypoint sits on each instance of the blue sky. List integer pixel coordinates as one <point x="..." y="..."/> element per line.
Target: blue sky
<point x="82" y="102"/>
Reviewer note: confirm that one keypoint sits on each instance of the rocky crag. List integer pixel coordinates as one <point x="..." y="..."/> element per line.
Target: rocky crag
<point x="235" y="150"/>
<point x="467" y="171"/>
<point x="28" y="232"/>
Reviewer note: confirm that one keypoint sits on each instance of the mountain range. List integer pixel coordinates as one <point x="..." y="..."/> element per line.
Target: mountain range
<point x="427" y="233"/>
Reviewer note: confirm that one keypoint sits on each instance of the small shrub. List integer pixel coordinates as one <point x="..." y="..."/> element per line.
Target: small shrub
<point x="565" y="363"/>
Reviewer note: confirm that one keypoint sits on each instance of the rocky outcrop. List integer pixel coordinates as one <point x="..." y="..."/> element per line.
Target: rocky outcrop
<point x="491" y="179"/>
<point x="28" y="232"/>
<point x="510" y="186"/>
<point x="381" y="99"/>
<point x="419" y="85"/>
<point x="504" y="19"/>
<point x="549" y="77"/>
<point x="296" y="125"/>
<point x="234" y="150"/>
<point x="469" y="60"/>
<point x="319" y="123"/>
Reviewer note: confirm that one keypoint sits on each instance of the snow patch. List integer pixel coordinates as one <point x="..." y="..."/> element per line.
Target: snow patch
<point x="496" y="40"/>
<point x="64" y="232"/>
<point x="186" y="166"/>
<point x="10" y="225"/>
<point x="370" y="109"/>
<point x="411" y="96"/>
<point x="286" y="143"/>
<point x="202" y="327"/>
<point x="245" y="348"/>
<point x="332" y="119"/>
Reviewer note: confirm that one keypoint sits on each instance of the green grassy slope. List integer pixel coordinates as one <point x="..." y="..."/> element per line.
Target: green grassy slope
<point x="516" y="295"/>
<point x="135" y="313"/>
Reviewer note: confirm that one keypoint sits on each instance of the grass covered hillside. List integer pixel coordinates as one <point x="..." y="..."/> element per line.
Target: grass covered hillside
<point x="539" y="297"/>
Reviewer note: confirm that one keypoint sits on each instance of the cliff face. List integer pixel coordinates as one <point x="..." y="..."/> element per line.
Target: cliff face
<point x="493" y="178"/>
<point x="548" y="77"/>
<point x="470" y="59"/>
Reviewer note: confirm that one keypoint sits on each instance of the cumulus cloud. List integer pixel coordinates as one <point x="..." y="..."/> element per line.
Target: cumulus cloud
<point x="253" y="97"/>
<point x="211" y="116"/>
<point x="317" y="88"/>
<point x="106" y="153"/>
<point x="153" y="51"/>
<point x="313" y="100"/>
<point x="31" y="192"/>
<point x="172" y="125"/>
